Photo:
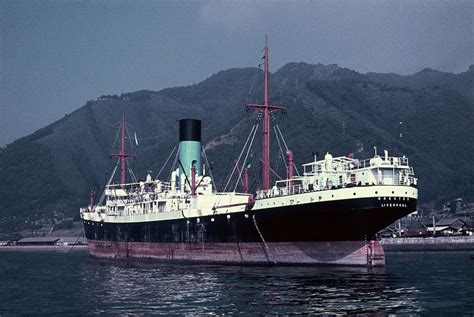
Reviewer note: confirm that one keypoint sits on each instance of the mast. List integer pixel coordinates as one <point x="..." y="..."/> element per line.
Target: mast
<point x="397" y="140"/>
<point x="122" y="155"/>
<point x="266" y="109"/>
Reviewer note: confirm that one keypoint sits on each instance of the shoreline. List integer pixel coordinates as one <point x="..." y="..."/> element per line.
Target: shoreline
<point x="61" y="248"/>
<point x="459" y="243"/>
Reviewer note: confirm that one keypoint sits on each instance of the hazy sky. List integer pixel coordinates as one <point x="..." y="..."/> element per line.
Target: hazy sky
<point x="56" y="55"/>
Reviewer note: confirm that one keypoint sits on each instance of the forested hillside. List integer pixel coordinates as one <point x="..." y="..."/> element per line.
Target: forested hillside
<point x="328" y="109"/>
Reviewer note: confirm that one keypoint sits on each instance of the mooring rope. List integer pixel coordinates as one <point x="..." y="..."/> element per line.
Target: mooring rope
<point x="263" y="240"/>
<point x="75" y="243"/>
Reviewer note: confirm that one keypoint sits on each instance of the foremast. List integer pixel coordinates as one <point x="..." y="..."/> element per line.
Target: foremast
<point x="266" y="109"/>
<point x="122" y="154"/>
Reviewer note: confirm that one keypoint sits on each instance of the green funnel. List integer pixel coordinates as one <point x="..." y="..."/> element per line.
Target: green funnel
<point x="189" y="146"/>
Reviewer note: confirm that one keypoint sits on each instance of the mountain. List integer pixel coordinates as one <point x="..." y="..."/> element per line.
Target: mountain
<point x="49" y="174"/>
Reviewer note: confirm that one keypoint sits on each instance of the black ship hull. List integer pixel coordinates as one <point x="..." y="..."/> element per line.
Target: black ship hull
<point x="335" y="232"/>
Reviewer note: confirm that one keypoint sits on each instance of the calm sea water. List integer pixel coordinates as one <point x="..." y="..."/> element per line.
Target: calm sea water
<point x="47" y="283"/>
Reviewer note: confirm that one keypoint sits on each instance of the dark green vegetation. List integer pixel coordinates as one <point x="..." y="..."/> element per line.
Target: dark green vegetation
<point x="329" y="109"/>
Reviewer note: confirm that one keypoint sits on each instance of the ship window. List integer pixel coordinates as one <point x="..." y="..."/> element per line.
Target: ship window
<point x="376" y="193"/>
<point x="354" y="194"/>
<point x="393" y="192"/>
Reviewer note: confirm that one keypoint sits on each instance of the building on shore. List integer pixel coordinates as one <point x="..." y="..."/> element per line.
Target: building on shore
<point x="52" y="241"/>
<point x="449" y="227"/>
<point x="38" y="241"/>
<point x="69" y="241"/>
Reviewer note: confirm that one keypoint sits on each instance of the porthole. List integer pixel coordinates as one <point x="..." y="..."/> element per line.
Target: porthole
<point x="354" y="194"/>
<point x="376" y="192"/>
<point x="393" y="192"/>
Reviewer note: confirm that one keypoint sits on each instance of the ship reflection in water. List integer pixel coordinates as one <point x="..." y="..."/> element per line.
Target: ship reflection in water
<point x="201" y="289"/>
<point x="412" y="283"/>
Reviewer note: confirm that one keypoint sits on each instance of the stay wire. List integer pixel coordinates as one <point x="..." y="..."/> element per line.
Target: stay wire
<point x="245" y="159"/>
<point x="286" y="147"/>
<point x="164" y="165"/>
<point x="208" y="167"/>
<point x="240" y="156"/>
<point x="279" y="145"/>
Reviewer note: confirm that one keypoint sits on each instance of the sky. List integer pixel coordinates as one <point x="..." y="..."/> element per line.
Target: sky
<point x="56" y="55"/>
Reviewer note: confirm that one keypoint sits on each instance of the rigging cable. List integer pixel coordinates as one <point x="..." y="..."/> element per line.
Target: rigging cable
<point x="116" y="137"/>
<point x="166" y="162"/>
<point x="108" y="183"/>
<point x="208" y="167"/>
<point x="286" y="147"/>
<point x="240" y="156"/>
<point x="245" y="160"/>
<point x="258" y="69"/>
<point x="128" y="134"/>
<point x="132" y="174"/>
<point x="281" y="149"/>
<point x="174" y="163"/>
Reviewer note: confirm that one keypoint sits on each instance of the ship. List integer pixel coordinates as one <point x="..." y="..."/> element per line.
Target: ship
<point x="327" y="215"/>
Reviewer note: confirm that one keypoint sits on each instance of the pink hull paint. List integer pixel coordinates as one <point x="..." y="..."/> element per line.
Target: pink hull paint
<point x="357" y="253"/>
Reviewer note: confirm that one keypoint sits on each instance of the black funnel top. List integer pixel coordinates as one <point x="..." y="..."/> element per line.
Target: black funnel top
<point x="189" y="130"/>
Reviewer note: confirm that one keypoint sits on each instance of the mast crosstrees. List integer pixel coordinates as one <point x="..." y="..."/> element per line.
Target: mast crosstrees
<point x="122" y="155"/>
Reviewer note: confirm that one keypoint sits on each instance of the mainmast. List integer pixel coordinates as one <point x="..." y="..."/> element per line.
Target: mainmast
<point x="266" y="109"/>
<point x="122" y="155"/>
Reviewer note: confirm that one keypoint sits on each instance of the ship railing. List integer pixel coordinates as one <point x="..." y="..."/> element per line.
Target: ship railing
<point x="348" y="164"/>
<point x="295" y="186"/>
<point x="392" y="161"/>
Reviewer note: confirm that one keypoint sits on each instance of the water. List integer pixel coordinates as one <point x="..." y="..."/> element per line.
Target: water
<point x="51" y="283"/>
